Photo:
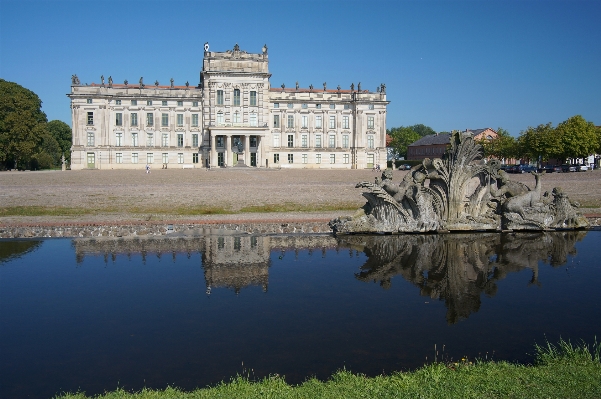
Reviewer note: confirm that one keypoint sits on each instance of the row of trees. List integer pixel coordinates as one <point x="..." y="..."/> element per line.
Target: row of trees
<point x="27" y="139"/>
<point x="573" y="138"/>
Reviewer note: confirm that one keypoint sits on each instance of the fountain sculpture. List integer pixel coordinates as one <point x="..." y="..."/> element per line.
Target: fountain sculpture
<point x="459" y="192"/>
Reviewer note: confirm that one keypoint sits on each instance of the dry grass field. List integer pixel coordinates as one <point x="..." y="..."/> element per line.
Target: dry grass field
<point x="234" y="193"/>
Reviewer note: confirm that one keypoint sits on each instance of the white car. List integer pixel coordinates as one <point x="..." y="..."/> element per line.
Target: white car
<point x="582" y="168"/>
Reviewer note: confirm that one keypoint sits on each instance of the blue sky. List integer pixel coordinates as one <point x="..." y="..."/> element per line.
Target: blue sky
<point x="446" y="64"/>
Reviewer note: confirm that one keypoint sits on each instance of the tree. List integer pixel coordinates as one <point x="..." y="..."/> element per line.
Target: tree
<point x="401" y="138"/>
<point x="504" y="146"/>
<point x="540" y="142"/>
<point x="62" y="134"/>
<point x="578" y="138"/>
<point x="22" y="123"/>
<point x="422" y="130"/>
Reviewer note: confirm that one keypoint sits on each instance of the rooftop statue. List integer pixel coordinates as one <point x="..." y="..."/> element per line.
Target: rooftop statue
<point x="459" y="192"/>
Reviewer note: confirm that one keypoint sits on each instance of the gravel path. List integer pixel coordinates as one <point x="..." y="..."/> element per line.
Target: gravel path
<point x="115" y="196"/>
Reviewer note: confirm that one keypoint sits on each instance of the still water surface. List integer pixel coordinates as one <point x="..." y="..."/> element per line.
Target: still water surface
<point x="92" y="315"/>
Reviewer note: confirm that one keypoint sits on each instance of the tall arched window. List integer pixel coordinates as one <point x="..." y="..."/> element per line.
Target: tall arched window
<point x="237" y="97"/>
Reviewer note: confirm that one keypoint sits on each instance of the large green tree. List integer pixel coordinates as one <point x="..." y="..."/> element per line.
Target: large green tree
<point x="540" y="142"/>
<point x="22" y="124"/>
<point x="401" y="138"/>
<point x="504" y="146"/>
<point x="62" y="134"/>
<point x="578" y="138"/>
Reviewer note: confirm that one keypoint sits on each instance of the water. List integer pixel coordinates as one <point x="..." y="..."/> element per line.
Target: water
<point x="93" y="315"/>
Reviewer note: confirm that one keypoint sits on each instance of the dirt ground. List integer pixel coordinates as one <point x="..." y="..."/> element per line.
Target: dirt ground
<point x="114" y="195"/>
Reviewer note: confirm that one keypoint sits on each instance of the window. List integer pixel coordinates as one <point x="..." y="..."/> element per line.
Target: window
<point x="118" y="139"/>
<point x="165" y="157"/>
<point x="195" y="104"/>
<point x="164" y="103"/>
<point x="304" y="106"/>
<point x="332" y="106"/>
<point x="290" y="105"/>
<point x="133" y="119"/>
<point x="119" y="157"/>
<point x="220" y="118"/>
<point x="236" y="117"/>
<point x="134" y="157"/>
<point x="117" y="102"/>
<point x="180" y="119"/>
<point x="276" y="105"/>
<point x="332" y="158"/>
<point x="220" y="141"/>
<point x="165" y="140"/>
<point x="370" y="160"/>
<point x="219" y="97"/>
<point x="195" y="140"/>
<point x="149" y="139"/>
<point x="305" y="121"/>
<point x="290" y="121"/>
<point x="276" y="158"/>
<point x="180" y="103"/>
<point x="253" y="141"/>
<point x="180" y="139"/>
<point x="370" y="106"/>
<point x="164" y="120"/>
<point x="253" y="119"/>
<point x="90" y="118"/>
<point x="346" y="158"/>
<point x="195" y="157"/>
<point x="317" y="158"/>
<point x="318" y="141"/>
<point x="276" y="140"/>
<point x="290" y="140"/>
<point x="345" y="141"/>
<point x="194" y="120"/>
<point x="347" y="106"/>
<point x="370" y="141"/>
<point x="118" y="119"/>
<point x="345" y="124"/>
<point x="318" y="106"/>
<point x="276" y="121"/>
<point x="89" y="101"/>
<point x="304" y="141"/>
<point x="253" y="98"/>
<point x="148" y="102"/>
<point x="236" y="97"/>
<point x="332" y="141"/>
<point x="370" y="122"/>
<point x="149" y="119"/>
<point x="134" y="102"/>
<point x="134" y="139"/>
<point x="149" y="157"/>
<point x="317" y="121"/>
<point x="180" y="157"/>
<point x="290" y="158"/>
<point x="90" y="139"/>
<point x="332" y="122"/>
<point x="305" y="158"/>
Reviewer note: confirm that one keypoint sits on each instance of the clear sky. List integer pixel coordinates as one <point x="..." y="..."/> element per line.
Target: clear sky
<point x="447" y="64"/>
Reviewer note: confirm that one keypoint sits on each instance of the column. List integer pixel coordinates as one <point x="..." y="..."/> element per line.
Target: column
<point x="247" y="149"/>
<point x="228" y="151"/>
<point x="213" y="150"/>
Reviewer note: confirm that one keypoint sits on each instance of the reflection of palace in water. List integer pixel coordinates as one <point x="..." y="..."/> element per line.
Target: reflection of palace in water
<point x="229" y="261"/>
<point x="458" y="268"/>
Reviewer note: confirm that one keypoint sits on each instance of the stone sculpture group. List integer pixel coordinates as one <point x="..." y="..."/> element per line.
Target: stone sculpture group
<point x="462" y="191"/>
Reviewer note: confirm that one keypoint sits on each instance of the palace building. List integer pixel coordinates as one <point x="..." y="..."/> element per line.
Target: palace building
<point x="233" y="117"/>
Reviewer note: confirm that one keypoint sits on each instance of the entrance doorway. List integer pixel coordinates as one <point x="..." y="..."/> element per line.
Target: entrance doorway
<point x="253" y="159"/>
<point x="91" y="160"/>
<point x="235" y="159"/>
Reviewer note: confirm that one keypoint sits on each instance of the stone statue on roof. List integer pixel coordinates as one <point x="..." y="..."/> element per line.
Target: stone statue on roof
<point x="352" y="86"/>
<point x="171" y="80"/>
<point x="359" y="87"/>
<point x="102" y="80"/>
<point x="311" y="86"/>
<point x="156" y="83"/>
<point x="283" y="86"/>
<point x="141" y="82"/>
<point x="297" y="85"/>
<point x="324" y="86"/>
<point x="75" y="80"/>
<point x="338" y="87"/>
<point x="110" y="81"/>
<point x="125" y="82"/>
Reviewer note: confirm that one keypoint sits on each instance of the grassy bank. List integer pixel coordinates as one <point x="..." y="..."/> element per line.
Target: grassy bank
<point x="559" y="371"/>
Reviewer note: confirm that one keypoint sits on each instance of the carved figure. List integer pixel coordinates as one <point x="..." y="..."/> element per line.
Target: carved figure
<point x="125" y="82"/>
<point x="311" y="87"/>
<point x="352" y="86"/>
<point x="338" y="88"/>
<point x="187" y="84"/>
<point x="297" y="85"/>
<point x="110" y="81"/>
<point x="264" y="49"/>
<point x="75" y="80"/>
<point x="283" y="86"/>
<point x="156" y="83"/>
<point x="359" y="86"/>
<point x="141" y="82"/>
<point x="463" y="193"/>
<point x="171" y="80"/>
<point x="236" y="47"/>
<point x="324" y="86"/>
<point x="102" y="80"/>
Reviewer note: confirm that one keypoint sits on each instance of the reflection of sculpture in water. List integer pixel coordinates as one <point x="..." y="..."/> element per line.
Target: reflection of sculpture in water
<point x="459" y="192"/>
<point x="458" y="268"/>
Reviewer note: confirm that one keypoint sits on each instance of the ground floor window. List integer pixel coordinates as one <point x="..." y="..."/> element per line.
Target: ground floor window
<point x="180" y="158"/>
<point x="195" y="158"/>
<point x="134" y="157"/>
<point x="332" y="158"/>
<point x="119" y="157"/>
<point x="305" y="158"/>
<point x="346" y="158"/>
<point x="165" y="157"/>
<point x="317" y="158"/>
<point x="220" y="158"/>
<point x="276" y="158"/>
<point x="290" y="158"/>
<point x="91" y="159"/>
<point x="150" y="157"/>
<point x="370" y="160"/>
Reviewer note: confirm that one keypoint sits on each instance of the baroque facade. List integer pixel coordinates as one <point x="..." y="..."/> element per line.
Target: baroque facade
<point x="233" y="117"/>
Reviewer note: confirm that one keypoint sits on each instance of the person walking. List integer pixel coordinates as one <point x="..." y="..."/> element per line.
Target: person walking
<point x="147" y="168"/>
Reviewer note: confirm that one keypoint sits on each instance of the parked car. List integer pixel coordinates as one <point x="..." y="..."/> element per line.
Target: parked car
<point x="557" y="169"/>
<point x="404" y="167"/>
<point x="547" y="169"/>
<point x="527" y="168"/>
<point x="582" y="168"/>
<point x="513" y="169"/>
<point x="568" y="168"/>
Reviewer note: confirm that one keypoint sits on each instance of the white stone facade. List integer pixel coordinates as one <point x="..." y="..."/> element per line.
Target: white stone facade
<point x="233" y="117"/>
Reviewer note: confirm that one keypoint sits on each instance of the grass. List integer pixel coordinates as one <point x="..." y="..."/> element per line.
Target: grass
<point x="560" y="371"/>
